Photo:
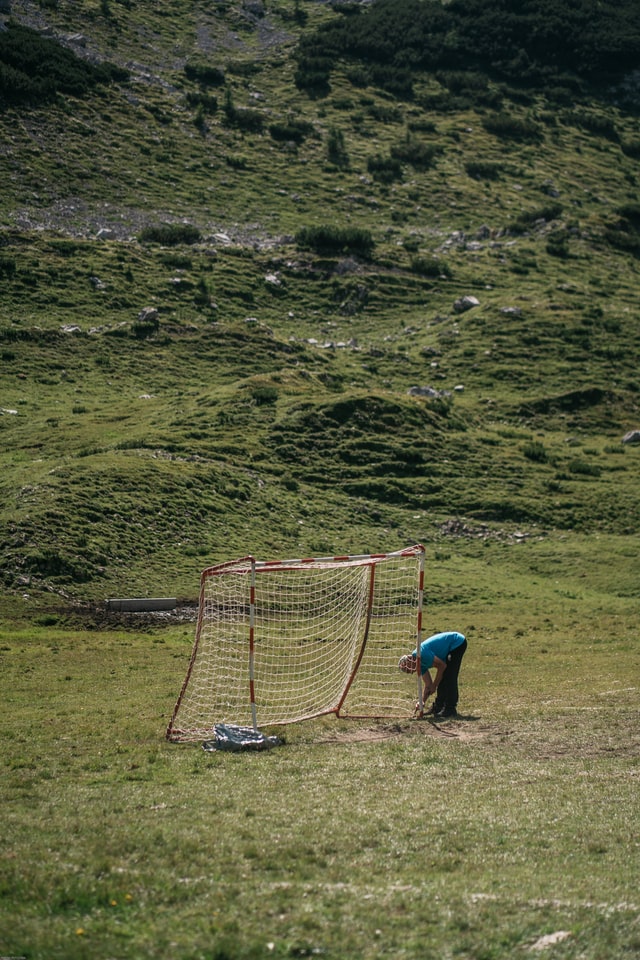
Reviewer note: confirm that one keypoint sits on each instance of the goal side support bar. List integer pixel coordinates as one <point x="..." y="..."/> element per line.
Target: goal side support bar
<point x="372" y="577"/>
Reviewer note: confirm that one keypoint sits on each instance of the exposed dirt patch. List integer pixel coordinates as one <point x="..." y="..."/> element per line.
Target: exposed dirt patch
<point x="462" y="729"/>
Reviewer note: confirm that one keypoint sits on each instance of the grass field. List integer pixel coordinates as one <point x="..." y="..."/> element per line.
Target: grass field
<point x="167" y="404"/>
<point x="476" y="838"/>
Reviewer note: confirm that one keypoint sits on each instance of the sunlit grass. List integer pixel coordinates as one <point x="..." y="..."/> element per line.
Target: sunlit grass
<point x="515" y="822"/>
<point x="272" y="416"/>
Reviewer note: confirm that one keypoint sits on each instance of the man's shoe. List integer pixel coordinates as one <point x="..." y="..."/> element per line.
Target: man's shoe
<point x="433" y="711"/>
<point x="448" y="713"/>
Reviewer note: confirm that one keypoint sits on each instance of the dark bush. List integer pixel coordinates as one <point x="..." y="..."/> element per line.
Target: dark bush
<point x="459" y="81"/>
<point x="557" y="244"/>
<point x="336" y="240"/>
<point x="510" y="127"/>
<point x="293" y="131"/>
<point x="534" y="450"/>
<point x="203" y="101"/>
<point x="143" y="329"/>
<point x="312" y="74"/>
<point x="630" y="213"/>
<point x="7" y="267"/>
<point x="483" y="170"/>
<point x="631" y="148"/>
<point x="204" y="74"/>
<point x="420" y="125"/>
<point x="528" y="217"/>
<point x="430" y="267"/>
<point x="537" y="43"/>
<point x="444" y="102"/>
<point x="583" y="468"/>
<point x="170" y="234"/>
<point x="621" y="239"/>
<point x="34" y="69"/>
<point x="384" y="169"/>
<point x="592" y="122"/>
<point x="384" y="113"/>
<point x="50" y="562"/>
<point x="358" y="76"/>
<point x="394" y="79"/>
<point x="419" y="154"/>
<point x="264" y="394"/>
<point x="249" y="121"/>
<point x="336" y="149"/>
<point x="242" y="118"/>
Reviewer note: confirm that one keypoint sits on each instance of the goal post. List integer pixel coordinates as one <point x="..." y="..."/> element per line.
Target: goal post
<point x="281" y="641"/>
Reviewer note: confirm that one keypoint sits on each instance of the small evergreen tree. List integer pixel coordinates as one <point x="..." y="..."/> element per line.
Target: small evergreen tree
<point x="336" y="149"/>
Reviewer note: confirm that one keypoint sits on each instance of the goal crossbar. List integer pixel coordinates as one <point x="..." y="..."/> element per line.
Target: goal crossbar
<point x="280" y="641"/>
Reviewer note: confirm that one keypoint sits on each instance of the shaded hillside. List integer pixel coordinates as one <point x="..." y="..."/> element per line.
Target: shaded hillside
<point x="239" y="318"/>
<point x="561" y="49"/>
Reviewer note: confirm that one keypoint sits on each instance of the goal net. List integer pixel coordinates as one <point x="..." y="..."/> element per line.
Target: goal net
<point x="282" y="641"/>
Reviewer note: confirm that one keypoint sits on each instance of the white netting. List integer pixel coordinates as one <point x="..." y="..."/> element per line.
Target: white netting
<point x="327" y="635"/>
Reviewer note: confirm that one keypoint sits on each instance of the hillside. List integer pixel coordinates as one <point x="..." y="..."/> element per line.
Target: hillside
<point x="262" y="297"/>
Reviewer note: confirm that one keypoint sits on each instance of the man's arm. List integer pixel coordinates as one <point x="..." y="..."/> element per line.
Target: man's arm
<point x="428" y="686"/>
<point x="440" y="666"/>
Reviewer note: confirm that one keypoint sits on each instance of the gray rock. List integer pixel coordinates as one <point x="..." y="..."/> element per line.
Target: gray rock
<point x="465" y="303"/>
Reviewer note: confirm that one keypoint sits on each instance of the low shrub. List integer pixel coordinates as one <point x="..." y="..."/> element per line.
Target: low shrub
<point x="264" y="394"/>
<point x="623" y="240"/>
<point x="419" y="154"/>
<point x="510" y="127"/>
<point x="358" y="76"/>
<point x="293" y="131"/>
<point x="336" y="240"/>
<point x="176" y="261"/>
<point x="243" y="118"/>
<point x="483" y="169"/>
<point x="170" y="234"/>
<point x="50" y="562"/>
<point x="524" y="220"/>
<point x="204" y="74"/>
<point x="583" y="468"/>
<point x="249" y="121"/>
<point x="236" y="161"/>
<point x="143" y="329"/>
<point x="336" y="149"/>
<point x="420" y="125"/>
<point x="596" y="123"/>
<point x="7" y="267"/>
<point x="631" y="148"/>
<point x="384" y="113"/>
<point x="394" y="79"/>
<point x="462" y="80"/>
<point x="202" y="101"/>
<point x="312" y="74"/>
<point x="630" y="213"/>
<point x="536" y="451"/>
<point x="384" y="169"/>
<point x="557" y="244"/>
<point x="430" y="267"/>
<point x="445" y="102"/>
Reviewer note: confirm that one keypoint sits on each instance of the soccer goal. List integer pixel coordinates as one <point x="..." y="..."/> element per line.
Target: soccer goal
<point x="282" y="641"/>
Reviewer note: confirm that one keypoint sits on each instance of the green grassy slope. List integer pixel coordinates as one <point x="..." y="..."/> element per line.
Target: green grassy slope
<point x="263" y="404"/>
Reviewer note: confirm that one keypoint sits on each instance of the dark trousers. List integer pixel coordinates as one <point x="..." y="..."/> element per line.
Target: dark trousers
<point x="447" y="692"/>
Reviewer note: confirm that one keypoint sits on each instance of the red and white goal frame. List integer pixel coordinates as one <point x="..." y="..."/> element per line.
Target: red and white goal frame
<point x="281" y="641"/>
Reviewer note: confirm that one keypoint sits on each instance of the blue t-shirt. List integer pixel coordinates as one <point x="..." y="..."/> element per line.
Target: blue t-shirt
<point x="439" y="645"/>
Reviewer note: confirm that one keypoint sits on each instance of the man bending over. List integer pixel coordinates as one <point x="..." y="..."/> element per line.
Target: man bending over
<point x="443" y="652"/>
